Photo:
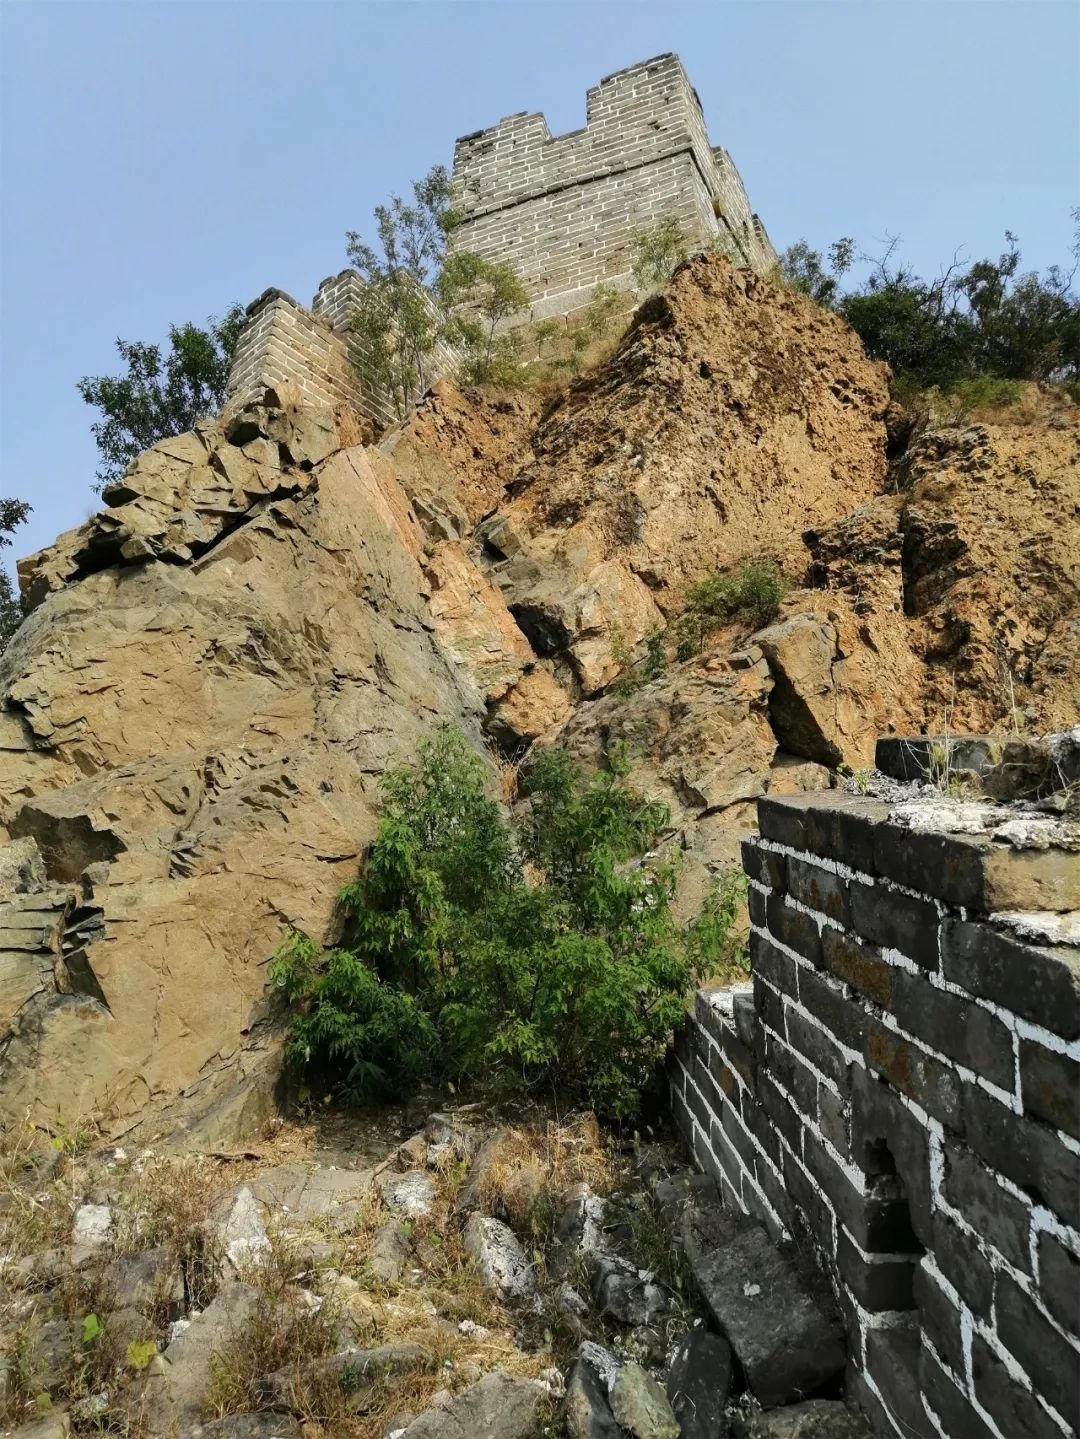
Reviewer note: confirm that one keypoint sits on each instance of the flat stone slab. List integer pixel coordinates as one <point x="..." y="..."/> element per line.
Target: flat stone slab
<point x="305" y="1193"/>
<point x="988" y="858"/>
<point x="498" y="1406"/>
<point x="698" y="1383"/>
<point x="785" y="1337"/>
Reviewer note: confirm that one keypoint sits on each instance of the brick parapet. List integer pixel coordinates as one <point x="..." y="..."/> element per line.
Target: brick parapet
<point x="282" y="343"/>
<point x="563" y="210"/>
<point x="899" y="1084"/>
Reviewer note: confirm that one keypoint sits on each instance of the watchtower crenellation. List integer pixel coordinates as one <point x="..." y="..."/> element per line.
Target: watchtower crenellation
<point x="563" y="210"/>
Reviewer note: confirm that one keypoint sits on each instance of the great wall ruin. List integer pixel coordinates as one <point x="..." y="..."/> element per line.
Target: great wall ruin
<point x="561" y="210"/>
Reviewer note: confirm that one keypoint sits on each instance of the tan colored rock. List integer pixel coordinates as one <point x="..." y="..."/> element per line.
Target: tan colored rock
<point x="532" y="709"/>
<point x="473" y="623"/>
<point x="802" y="707"/>
<point x="698" y="737"/>
<point x="199" y="745"/>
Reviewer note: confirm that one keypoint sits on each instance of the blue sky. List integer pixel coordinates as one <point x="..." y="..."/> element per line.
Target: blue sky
<point x="162" y="159"/>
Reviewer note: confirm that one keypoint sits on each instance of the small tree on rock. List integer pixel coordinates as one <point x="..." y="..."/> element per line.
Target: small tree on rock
<point x="12" y="514"/>
<point x="160" y="395"/>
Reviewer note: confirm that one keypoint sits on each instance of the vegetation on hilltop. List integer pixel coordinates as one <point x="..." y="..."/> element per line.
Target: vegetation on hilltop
<point x="417" y="294"/>
<point x="972" y="324"/>
<point x="160" y="396"/>
<point x="538" y="951"/>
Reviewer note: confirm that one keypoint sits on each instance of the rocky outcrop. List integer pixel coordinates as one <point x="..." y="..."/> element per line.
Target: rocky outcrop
<point x="193" y="723"/>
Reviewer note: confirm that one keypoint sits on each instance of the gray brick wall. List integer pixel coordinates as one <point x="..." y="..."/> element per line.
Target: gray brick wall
<point x="282" y="343"/>
<point x="563" y="209"/>
<point x="899" y="1085"/>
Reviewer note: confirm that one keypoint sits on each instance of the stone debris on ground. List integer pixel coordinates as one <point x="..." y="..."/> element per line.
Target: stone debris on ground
<point x="631" y="1281"/>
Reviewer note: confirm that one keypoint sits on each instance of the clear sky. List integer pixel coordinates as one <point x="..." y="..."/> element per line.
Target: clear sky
<point x="162" y="158"/>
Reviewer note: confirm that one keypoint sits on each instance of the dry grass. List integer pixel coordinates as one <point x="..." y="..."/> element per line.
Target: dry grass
<point x="533" y="1167"/>
<point x="440" y="1303"/>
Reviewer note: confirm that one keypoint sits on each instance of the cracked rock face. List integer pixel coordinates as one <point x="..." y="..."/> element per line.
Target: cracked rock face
<point x="193" y="723"/>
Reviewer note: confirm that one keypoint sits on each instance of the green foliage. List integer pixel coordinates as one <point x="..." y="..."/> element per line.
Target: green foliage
<point x="541" y="952"/>
<point x="805" y="270"/>
<point x="415" y="295"/>
<point x="396" y="319"/>
<point x="12" y="514"/>
<point x="987" y="319"/>
<point x="479" y="295"/>
<point x="633" y="674"/>
<point x="752" y="592"/>
<point x="719" y="952"/>
<point x="160" y="396"/>
<point x="657" y="251"/>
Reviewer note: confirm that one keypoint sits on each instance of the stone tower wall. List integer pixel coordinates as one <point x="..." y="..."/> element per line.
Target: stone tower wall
<point x="562" y="210"/>
<point x="899" y="1089"/>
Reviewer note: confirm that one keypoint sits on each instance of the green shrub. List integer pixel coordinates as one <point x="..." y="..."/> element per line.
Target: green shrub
<point x="536" y="952"/>
<point x="752" y="592"/>
<point x="987" y="318"/>
<point x="984" y="392"/>
<point x="657" y="251"/>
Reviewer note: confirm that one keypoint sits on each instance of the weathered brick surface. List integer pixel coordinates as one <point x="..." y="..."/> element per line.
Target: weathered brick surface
<point x="1040" y="983"/>
<point x="1015" y="1411"/>
<point x="940" y="1318"/>
<point x="1027" y="1152"/>
<point x="953" y="1026"/>
<point x="949" y="1401"/>
<point x="859" y="965"/>
<point x="888" y="917"/>
<point x="1046" y="1355"/>
<point x="1050" y="1085"/>
<point x="912" y="1112"/>
<point x="972" y="1189"/>
<point x="1059" y="1281"/>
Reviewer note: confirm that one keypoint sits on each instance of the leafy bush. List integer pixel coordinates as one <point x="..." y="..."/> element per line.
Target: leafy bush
<point x="986" y="319"/>
<point x="12" y="514"/>
<point x="417" y="293"/>
<point x="478" y="295"/>
<point x="657" y="252"/>
<point x="536" y="952"/>
<point x="568" y="348"/>
<point x="160" y="396"/>
<point x="752" y="593"/>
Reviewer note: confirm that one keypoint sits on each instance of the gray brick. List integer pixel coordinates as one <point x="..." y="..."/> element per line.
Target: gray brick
<point x="1025" y="1151"/>
<point x="1041" y="983"/>
<point x="955" y="1027"/>
<point x="940" y="1319"/>
<point x="894" y="920"/>
<point x="859" y="965"/>
<point x="818" y="889"/>
<point x="1059" y="1282"/>
<point x="956" y="1411"/>
<point x="794" y="928"/>
<point x="991" y="1210"/>
<point x="1050" y="1086"/>
<point x="1050" y="1360"/>
<point x="1016" y="1413"/>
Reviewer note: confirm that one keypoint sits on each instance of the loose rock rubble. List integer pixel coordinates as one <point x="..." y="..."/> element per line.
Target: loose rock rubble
<point x="469" y="1277"/>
